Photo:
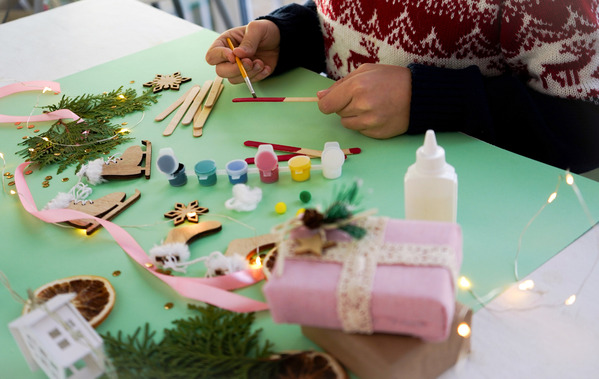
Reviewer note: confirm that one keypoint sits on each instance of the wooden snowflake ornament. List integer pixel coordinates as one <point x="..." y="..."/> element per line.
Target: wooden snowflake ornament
<point x="164" y="82"/>
<point x="190" y="212"/>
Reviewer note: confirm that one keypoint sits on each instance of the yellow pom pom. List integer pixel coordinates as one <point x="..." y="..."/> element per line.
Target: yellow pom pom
<point x="281" y="208"/>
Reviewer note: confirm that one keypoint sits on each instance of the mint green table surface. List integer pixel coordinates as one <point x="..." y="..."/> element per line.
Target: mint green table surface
<point x="498" y="194"/>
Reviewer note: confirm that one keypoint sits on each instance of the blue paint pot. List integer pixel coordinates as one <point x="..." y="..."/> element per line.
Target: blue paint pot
<point x="179" y="177"/>
<point x="238" y="171"/>
<point x="206" y="172"/>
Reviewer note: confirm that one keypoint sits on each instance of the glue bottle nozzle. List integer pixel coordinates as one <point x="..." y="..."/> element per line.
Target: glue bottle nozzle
<point x="430" y="143"/>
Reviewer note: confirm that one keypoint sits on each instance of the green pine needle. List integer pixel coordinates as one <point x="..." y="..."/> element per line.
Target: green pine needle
<point x="214" y="344"/>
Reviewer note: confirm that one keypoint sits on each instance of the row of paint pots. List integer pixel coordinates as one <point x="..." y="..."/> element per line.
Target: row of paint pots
<point x="267" y="166"/>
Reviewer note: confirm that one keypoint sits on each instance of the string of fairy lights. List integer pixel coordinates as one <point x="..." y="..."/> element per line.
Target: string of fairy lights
<point x="464" y="282"/>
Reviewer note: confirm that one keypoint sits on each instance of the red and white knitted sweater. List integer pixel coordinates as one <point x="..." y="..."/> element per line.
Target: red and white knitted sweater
<point x="554" y="44"/>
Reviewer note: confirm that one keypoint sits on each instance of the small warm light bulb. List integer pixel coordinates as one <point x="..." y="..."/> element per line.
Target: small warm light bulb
<point x="2" y="156"/>
<point x="464" y="330"/>
<point x="552" y="197"/>
<point x="464" y="283"/>
<point x="569" y="179"/>
<point x="191" y="214"/>
<point x="526" y="285"/>
<point x="124" y="131"/>
<point x="46" y="139"/>
<point x="122" y="97"/>
<point x="46" y="89"/>
<point x="257" y="263"/>
<point x="31" y="150"/>
<point x="571" y="300"/>
<point x="13" y="192"/>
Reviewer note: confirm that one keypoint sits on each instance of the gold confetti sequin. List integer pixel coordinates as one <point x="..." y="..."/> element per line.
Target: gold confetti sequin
<point x="49" y="177"/>
<point x="25" y="137"/>
<point x="10" y="176"/>
<point x="45" y="182"/>
<point x="114" y="106"/>
<point x="28" y="172"/>
<point x="57" y="154"/>
<point x="20" y="127"/>
<point x="133" y="81"/>
<point x="10" y="184"/>
<point x="36" y="131"/>
<point x="65" y="179"/>
<point x="30" y="126"/>
<point x="7" y="174"/>
<point x="116" y="273"/>
<point x="149" y="265"/>
<point x="45" y="185"/>
<point x="124" y="123"/>
<point x="169" y="306"/>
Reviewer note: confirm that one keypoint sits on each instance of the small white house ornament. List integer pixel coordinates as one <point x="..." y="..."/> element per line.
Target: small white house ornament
<point x="56" y="338"/>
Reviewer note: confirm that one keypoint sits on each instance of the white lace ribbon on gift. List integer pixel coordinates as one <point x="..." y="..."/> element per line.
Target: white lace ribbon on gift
<point x="359" y="261"/>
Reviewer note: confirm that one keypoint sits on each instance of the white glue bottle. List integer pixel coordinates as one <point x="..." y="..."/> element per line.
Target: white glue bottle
<point x="431" y="184"/>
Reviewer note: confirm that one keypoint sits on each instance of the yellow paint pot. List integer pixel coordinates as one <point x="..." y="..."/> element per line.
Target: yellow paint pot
<point x="299" y="167"/>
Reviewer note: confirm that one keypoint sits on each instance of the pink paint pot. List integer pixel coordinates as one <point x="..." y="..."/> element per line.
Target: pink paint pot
<point x="267" y="164"/>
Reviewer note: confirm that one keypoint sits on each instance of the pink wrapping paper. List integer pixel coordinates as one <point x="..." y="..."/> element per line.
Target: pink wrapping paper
<point x="417" y="300"/>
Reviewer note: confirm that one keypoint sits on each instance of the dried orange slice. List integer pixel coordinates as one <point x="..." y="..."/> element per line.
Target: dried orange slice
<point x="94" y="297"/>
<point x="309" y="365"/>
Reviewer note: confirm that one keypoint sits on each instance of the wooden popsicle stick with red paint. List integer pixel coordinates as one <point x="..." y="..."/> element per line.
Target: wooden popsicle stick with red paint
<point x="274" y="99"/>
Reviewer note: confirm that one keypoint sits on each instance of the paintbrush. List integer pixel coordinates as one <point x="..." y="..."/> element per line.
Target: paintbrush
<point x="242" y="70"/>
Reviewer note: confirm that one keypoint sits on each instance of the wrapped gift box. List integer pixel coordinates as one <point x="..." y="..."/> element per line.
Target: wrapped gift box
<point x="391" y="356"/>
<point x="399" y="278"/>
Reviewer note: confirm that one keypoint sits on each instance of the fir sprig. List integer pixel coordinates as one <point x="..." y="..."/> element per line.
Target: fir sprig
<point x="214" y="344"/>
<point x="75" y="142"/>
<point x="343" y="207"/>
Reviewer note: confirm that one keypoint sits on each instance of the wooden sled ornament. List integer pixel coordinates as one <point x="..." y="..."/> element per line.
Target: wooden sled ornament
<point x="129" y="164"/>
<point x="106" y="207"/>
<point x="175" y="248"/>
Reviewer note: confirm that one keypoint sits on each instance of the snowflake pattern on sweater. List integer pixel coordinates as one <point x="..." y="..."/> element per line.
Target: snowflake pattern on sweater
<point x="553" y="44"/>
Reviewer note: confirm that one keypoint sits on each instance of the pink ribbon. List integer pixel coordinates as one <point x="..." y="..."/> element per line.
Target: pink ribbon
<point x="39" y="85"/>
<point x="209" y="290"/>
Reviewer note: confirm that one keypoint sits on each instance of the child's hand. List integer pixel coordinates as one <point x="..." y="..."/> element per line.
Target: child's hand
<point x="374" y="100"/>
<point x="257" y="47"/>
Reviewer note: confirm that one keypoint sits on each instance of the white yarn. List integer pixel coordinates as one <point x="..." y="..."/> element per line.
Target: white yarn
<point x="93" y="171"/>
<point x="171" y="255"/>
<point x="175" y="256"/>
<point x="244" y="198"/>
<point x="79" y="193"/>
<point x="219" y="264"/>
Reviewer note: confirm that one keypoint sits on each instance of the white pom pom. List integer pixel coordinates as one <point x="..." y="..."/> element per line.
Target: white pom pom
<point x="93" y="171"/>
<point x="244" y="199"/>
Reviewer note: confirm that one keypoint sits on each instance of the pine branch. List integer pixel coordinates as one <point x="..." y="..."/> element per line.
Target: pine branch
<point x="77" y="142"/>
<point x="214" y="344"/>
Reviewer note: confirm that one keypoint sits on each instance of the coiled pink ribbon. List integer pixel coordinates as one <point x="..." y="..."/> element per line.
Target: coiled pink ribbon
<point x="209" y="290"/>
<point x="39" y="85"/>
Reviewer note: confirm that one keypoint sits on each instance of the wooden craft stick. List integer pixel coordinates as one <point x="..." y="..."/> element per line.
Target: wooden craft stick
<point x="274" y="99"/>
<point x="172" y="107"/>
<point x="170" y="128"/>
<point x="213" y="95"/>
<point x="197" y="103"/>
<point x="202" y="116"/>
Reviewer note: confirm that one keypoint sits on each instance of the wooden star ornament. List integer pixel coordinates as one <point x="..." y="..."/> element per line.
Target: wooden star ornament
<point x="164" y="82"/>
<point x="190" y="212"/>
<point x="314" y="244"/>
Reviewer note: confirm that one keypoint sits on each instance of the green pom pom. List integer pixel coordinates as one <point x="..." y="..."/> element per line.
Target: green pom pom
<point x="305" y="196"/>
